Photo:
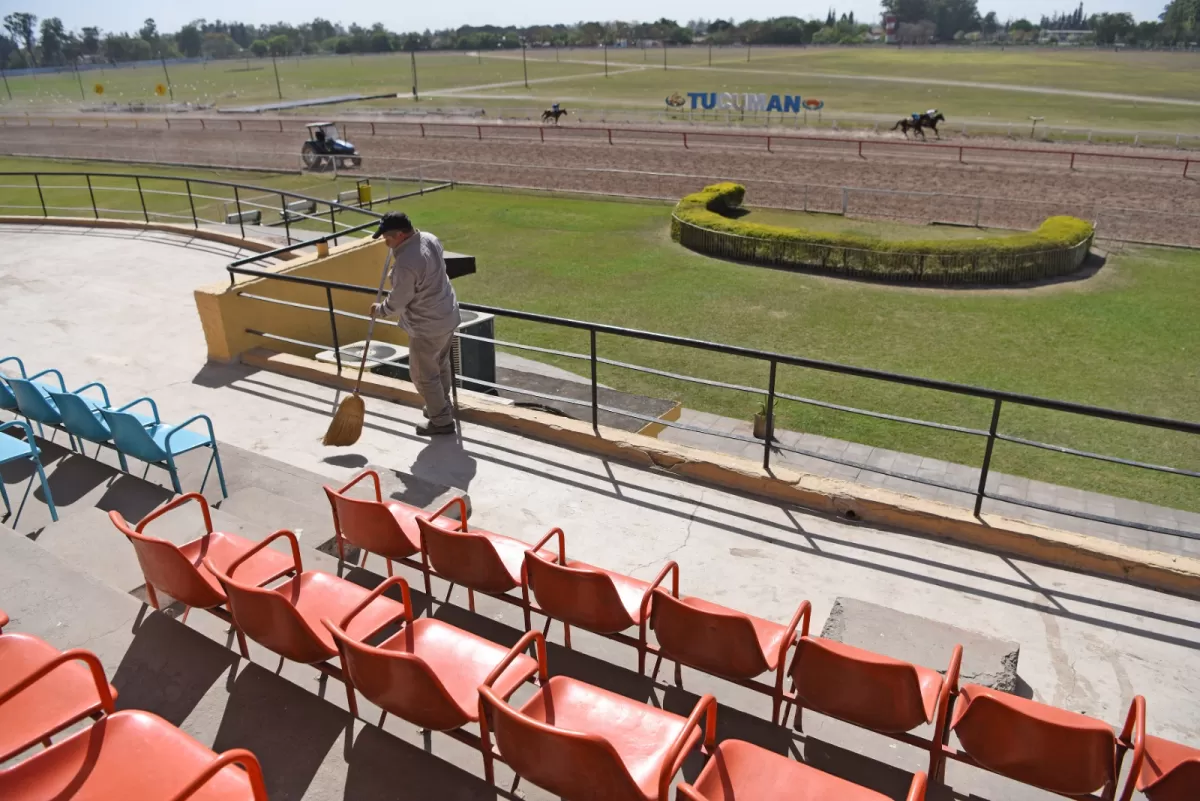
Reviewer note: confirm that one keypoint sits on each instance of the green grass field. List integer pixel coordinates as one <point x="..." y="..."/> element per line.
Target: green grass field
<point x="847" y="79"/>
<point x="1127" y="337"/>
<point x="835" y="223"/>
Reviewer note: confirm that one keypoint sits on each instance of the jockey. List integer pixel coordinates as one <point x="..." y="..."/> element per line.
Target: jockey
<point x="931" y="113"/>
<point x="554" y="107"/>
<point x="916" y="115"/>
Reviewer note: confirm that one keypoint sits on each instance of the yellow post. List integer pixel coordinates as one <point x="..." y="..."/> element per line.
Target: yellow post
<point x="364" y="193"/>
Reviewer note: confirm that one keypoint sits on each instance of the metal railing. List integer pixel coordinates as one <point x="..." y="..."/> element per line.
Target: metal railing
<point x="771" y="361"/>
<point x="203" y="208"/>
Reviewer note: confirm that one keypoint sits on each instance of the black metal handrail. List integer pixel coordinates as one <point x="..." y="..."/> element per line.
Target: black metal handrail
<point x="774" y="360"/>
<point x="283" y="194"/>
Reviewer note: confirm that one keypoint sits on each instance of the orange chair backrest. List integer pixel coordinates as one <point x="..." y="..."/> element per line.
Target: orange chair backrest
<point x="724" y="644"/>
<point x="857" y="686"/>
<point x="367" y="524"/>
<point x="568" y="764"/>
<point x="167" y="569"/>
<point x="267" y="617"/>
<point x="579" y="596"/>
<point x="400" y="683"/>
<point x="1181" y="784"/>
<point x="465" y="558"/>
<point x="1050" y="751"/>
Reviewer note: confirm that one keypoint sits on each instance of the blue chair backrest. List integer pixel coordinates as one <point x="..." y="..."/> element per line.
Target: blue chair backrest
<point x="78" y="418"/>
<point x="130" y="436"/>
<point x="33" y="403"/>
<point x="7" y="399"/>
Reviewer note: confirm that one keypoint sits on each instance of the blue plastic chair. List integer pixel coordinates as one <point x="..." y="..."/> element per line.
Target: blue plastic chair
<point x="82" y="418"/>
<point x="7" y="399"/>
<point x="12" y="449"/>
<point x="34" y="401"/>
<point x="158" y="443"/>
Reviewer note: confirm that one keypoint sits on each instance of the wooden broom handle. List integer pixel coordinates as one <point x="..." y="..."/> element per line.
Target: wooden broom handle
<point x="387" y="263"/>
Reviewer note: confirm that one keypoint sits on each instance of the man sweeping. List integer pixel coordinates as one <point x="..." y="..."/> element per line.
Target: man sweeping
<point x="422" y="297"/>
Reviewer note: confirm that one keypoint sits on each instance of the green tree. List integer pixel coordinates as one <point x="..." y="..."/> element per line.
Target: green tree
<point x="149" y="30"/>
<point x="190" y="40"/>
<point x="219" y="45"/>
<point x="908" y="10"/>
<point x="1111" y="28"/>
<point x="91" y="41"/>
<point x="279" y="45"/>
<point x="20" y="25"/>
<point x="1181" y="21"/>
<point x="53" y="38"/>
<point x="259" y="48"/>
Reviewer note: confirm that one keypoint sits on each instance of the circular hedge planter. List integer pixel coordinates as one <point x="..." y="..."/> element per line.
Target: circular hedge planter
<point x="1057" y="247"/>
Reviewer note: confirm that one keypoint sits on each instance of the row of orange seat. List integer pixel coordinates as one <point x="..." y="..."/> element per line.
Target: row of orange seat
<point x="441" y="677"/>
<point x="122" y="755"/>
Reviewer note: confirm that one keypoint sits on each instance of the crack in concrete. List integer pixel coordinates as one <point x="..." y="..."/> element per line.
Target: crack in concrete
<point x="687" y="536"/>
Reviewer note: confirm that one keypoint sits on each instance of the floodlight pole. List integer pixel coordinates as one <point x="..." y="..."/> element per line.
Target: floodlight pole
<point x="524" y="65"/>
<point x="278" y="86"/>
<point x="170" y="88"/>
<point x="413" y="54"/>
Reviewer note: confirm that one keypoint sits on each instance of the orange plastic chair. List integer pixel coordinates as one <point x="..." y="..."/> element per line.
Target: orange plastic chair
<point x="1040" y="745"/>
<point x="387" y="528"/>
<point x="287" y="619"/>
<point x="176" y="569"/>
<point x="3" y="621"/>
<point x="134" y="755"/>
<point x="428" y="673"/>
<point x="725" y="642"/>
<point x="874" y="691"/>
<point x="43" y="691"/>
<point x="1170" y="771"/>
<point x="579" y="594"/>
<point x="477" y="559"/>
<point x="581" y="742"/>
<point x="740" y="771"/>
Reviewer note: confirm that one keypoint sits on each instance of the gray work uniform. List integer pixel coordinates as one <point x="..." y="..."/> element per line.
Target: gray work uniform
<point x="423" y="298"/>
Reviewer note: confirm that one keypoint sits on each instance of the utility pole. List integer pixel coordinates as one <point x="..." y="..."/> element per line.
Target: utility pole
<point x="664" y="44"/>
<point x="278" y="86"/>
<point x="524" y="65"/>
<point x="748" y="52"/>
<point x="605" y="47"/>
<point x="170" y="88"/>
<point x="75" y="64"/>
<point x="4" y="73"/>
<point x="413" y="53"/>
<point x="710" y="54"/>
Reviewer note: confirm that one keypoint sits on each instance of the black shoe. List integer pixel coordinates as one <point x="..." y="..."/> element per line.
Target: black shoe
<point x="430" y="429"/>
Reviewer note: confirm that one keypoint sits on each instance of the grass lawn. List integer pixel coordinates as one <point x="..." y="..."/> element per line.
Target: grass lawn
<point x="835" y="223"/>
<point x="1127" y="338"/>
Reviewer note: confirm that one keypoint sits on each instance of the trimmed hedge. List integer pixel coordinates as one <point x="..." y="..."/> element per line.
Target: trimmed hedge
<point x="701" y="222"/>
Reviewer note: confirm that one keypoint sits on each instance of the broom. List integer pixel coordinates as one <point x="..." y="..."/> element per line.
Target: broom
<point x="346" y="426"/>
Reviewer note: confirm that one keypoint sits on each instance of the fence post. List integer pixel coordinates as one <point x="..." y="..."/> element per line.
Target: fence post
<point x="685" y="144"/>
<point x="337" y="349"/>
<point x="987" y="457"/>
<point x="768" y="144"/>
<point x="287" y="222"/>
<point x="960" y="155"/>
<point x="860" y="144"/>
<point x="422" y="129"/>
<point x="142" y="198"/>
<point x="192" y="203"/>
<point x="479" y="130"/>
<point x="610" y="136"/>
<point x="332" y="224"/>
<point x="238" y="203"/>
<point x="595" y="387"/>
<point x="845" y="200"/>
<point x="92" y="195"/>
<point x="978" y="207"/>
<point x="41" y="197"/>
<point x="806" y="197"/>
<point x="1187" y="164"/>
<point x="1072" y="160"/>
<point x="770" y="432"/>
<point x="542" y="134"/>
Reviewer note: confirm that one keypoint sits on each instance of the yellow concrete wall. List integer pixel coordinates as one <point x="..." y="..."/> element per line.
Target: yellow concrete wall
<point x="225" y="314"/>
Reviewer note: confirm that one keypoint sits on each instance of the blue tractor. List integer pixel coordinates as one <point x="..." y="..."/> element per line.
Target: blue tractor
<point x="325" y="151"/>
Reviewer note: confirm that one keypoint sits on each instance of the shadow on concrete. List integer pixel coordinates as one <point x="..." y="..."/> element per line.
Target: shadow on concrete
<point x="352" y="461"/>
<point x="381" y="767"/>
<point x="217" y="376"/>
<point x="444" y="461"/>
<point x="287" y="727"/>
<point x="133" y="497"/>
<point x="168" y="668"/>
<point x="890" y="781"/>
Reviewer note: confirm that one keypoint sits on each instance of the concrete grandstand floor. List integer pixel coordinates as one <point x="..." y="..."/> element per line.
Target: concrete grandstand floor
<point x="1087" y="644"/>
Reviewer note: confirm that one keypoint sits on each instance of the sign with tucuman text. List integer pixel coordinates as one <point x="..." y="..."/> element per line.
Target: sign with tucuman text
<point x="744" y="101"/>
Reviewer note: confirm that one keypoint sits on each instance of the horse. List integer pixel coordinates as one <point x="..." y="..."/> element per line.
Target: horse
<point x="920" y="121"/>
<point x="553" y="114"/>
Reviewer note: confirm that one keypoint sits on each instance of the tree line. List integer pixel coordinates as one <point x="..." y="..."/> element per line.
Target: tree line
<point x="920" y="22"/>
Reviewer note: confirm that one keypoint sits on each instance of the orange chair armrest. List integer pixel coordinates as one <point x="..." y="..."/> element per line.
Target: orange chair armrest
<point x="707" y="706"/>
<point x="562" y="544"/>
<point x="799" y="620"/>
<point x="1133" y="735"/>
<point x="669" y="567"/>
<point x="237" y="756"/>
<point x="686" y="792"/>
<point x="916" y="791"/>
<point x="73" y="655"/>
<point x="462" y="511"/>
<point x="949" y="689"/>
<point x="283" y="532"/>
<point x="391" y="581"/>
<point x="523" y="643"/>
<point x="374" y="477"/>
<point x="175" y="504"/>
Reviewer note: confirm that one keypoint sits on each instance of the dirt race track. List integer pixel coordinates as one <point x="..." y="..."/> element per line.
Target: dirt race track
<point x="1004" y="188"/>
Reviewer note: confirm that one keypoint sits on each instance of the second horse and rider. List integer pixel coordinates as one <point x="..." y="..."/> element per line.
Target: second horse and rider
<point x="919" y="121"/>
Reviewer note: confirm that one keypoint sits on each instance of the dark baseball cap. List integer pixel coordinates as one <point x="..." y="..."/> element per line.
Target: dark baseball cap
<point x="393" y="221"/>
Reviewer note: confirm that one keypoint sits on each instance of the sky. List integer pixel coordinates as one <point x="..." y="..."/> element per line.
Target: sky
<point x="128" y="15"/>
